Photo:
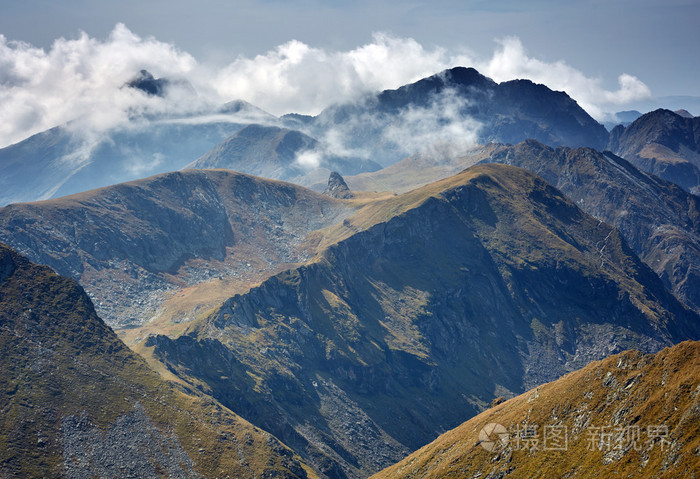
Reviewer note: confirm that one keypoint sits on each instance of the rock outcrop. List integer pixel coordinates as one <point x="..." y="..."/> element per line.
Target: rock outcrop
<point x="337" y="188"/>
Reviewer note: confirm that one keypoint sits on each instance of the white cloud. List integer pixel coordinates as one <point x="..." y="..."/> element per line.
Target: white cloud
<point x="295" y="77"/>
<point x="309" y="158"/>
<point x="510" y="61"/>
<point x="80" y="79"/>
<point x="440" y="130"/>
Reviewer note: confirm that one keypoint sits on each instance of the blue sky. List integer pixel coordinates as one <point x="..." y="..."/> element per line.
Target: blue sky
<point x="609" y="55"/>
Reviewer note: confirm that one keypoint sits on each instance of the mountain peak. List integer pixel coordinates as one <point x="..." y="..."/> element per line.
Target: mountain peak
<point x="148" y="84"/>
<point x="467" y="76"/>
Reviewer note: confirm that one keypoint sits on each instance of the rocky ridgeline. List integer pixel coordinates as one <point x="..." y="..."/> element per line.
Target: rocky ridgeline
<point x="130" y="244"/>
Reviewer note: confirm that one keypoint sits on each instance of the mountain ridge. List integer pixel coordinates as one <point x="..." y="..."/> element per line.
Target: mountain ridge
<point x="132" y="243"/>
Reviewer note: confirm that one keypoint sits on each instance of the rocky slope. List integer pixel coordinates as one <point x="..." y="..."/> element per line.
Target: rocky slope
<point x="133" y="244"/>
<point x="422" y="309"/>
<point x="659" y="220"/>
<point x="76" y="402"/>
<point x="630" y="415"/>
<point x="664" y="143"/>
<point x="396" y="123"/>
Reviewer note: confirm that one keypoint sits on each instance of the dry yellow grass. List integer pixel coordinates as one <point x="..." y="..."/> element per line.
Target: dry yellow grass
<point x="609" y="411"/>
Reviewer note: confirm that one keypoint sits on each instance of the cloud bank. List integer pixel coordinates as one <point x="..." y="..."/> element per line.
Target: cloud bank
<point x="82" y="79"/>
<point x="511" y="61"/>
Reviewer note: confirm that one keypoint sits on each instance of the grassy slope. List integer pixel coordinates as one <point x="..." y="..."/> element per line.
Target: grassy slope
<point x="59" y="359"/>
<point x="623" y="391"/>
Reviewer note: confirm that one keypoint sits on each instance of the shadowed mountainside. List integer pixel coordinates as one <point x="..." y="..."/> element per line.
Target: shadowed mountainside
<point x="68" y="159"/>
<point x="659" y="220"/>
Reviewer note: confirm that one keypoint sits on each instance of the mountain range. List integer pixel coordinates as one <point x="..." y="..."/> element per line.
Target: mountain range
<point x="265" y="329"/>
<point x="444" y="113"/>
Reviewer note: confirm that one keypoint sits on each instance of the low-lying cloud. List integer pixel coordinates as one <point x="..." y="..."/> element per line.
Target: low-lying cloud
<point x="81" y="80"/>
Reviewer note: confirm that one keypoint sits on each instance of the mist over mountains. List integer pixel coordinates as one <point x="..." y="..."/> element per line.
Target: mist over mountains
<point x="446" y="114"/>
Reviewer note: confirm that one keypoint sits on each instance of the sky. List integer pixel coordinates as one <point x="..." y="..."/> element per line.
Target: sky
<point x="65" y="60"/>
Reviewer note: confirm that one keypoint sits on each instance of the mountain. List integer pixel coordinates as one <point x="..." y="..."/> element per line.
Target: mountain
<point x="147" y="83"/>
<point x="623" y="118"/>
<point x="277" y="153"/>
<point x="630" y="415"/>
<point x="659" y="220"/>
<point x="69" y="159"/>
<point x="664" y="143"/>
<point x="457" y="105"/>
<point x="418" y="310"/>
<point x="135" y="245"/>
<point x="76" y="402"/>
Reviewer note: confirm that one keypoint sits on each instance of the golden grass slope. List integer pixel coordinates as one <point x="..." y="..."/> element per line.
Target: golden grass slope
<point x="630" y="415"/>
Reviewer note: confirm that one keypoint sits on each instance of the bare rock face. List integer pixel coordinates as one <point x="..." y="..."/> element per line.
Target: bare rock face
<point x="337" y="188"/>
